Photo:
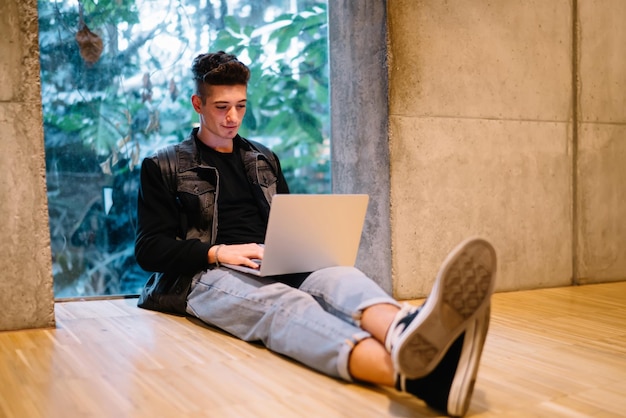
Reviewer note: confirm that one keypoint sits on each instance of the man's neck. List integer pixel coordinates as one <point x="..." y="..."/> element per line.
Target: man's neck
<point x="224" y="145"/>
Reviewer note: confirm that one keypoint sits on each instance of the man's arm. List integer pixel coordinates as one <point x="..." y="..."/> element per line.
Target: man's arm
<point x="156" y="245"/>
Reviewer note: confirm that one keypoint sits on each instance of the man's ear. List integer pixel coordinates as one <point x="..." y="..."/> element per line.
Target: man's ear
<point x="196" y="102"/>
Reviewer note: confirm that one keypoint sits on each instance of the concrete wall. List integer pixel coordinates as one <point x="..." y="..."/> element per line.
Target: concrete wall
<point x="507" y="121"/>
<point x="26" y="282"/>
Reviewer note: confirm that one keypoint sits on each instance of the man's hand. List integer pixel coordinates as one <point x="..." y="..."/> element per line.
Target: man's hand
<point x="239" y="254"/>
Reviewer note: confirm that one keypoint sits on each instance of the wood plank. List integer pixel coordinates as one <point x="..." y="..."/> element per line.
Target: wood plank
<point x="550" y="352"/>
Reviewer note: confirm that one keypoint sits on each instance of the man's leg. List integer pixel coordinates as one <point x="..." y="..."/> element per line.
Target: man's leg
<point x="285" y="319"/>
<point x="462" y="291"/>
<point x="433" y="351"/>
<point x="370" y="362"/>
<point x="352" y="296"/>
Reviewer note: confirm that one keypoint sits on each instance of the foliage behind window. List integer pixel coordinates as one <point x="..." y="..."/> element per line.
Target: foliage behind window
<point x="115" y="87"/>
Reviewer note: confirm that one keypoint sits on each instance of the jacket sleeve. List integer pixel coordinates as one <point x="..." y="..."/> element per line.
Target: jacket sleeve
<point x="157" y="248"/>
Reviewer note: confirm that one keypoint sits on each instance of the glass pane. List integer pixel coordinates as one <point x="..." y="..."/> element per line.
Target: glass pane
<point x="116" y="84"/>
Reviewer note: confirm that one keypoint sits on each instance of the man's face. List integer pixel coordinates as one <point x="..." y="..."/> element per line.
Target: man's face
<point x="223" y="110"/>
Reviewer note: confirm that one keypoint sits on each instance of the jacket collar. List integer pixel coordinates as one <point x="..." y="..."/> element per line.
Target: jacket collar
<point x="189" y="155"/>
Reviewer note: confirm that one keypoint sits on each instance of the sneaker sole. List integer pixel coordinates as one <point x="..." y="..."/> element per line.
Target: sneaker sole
<point x="462" y="288"/>
<point x="465" y="376"/>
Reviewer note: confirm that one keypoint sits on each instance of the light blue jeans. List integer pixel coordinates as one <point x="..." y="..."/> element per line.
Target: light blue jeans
<point x="316" y="324"/>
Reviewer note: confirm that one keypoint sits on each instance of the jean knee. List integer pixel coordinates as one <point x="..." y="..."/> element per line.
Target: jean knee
<point x="336" y="274"/>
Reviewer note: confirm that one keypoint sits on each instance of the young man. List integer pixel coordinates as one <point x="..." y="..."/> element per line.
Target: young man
<point x="206" y="201"/>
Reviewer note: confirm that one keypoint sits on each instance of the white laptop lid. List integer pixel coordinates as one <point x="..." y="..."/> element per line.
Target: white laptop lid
<point x="307" y="232"/>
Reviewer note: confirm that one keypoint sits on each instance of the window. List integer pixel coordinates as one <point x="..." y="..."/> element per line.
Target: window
<point x="116" y="87"/>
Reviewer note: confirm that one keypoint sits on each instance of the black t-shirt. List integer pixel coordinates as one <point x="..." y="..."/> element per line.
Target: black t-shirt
<point x="239" y="220"/>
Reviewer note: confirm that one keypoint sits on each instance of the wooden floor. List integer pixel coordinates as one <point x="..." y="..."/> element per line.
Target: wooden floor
<point x="549" y="353"/>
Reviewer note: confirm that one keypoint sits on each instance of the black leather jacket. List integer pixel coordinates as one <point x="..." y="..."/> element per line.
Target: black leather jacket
<point x="177" y="215"/>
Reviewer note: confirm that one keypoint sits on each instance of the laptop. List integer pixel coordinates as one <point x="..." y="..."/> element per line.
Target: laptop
<point x="308" y="232"/>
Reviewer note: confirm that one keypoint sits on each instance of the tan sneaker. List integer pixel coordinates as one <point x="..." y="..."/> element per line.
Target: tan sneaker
<point x="449" y="387"/>
<point x="419" y="337"/>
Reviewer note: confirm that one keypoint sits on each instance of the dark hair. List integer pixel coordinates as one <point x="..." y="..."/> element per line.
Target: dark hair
<point x="218" y="69"/>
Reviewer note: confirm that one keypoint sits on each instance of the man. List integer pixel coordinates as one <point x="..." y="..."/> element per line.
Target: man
<point x="206" y="201"/>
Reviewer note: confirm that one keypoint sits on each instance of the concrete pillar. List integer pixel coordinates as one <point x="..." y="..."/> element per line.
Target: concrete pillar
<point x="26" y="294"/>
<point x="359" y="122"/>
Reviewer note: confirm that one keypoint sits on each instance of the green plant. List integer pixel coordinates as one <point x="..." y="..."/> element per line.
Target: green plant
<point x="123" y="91"/>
